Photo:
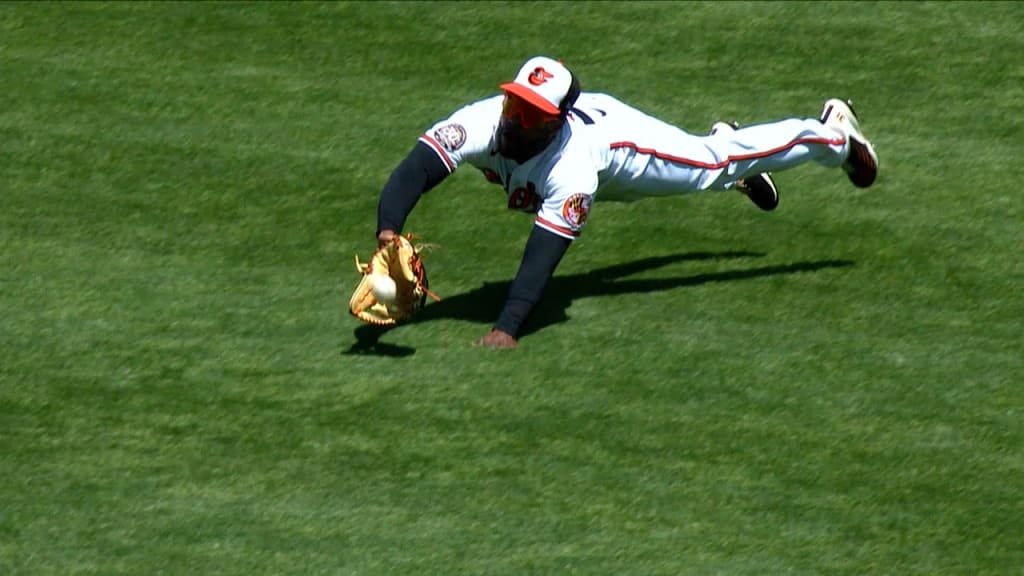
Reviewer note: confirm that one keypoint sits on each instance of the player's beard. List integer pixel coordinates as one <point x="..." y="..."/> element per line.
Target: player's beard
<point x="521" y="145"/>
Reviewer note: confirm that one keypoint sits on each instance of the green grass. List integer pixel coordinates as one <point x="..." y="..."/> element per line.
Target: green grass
<point x="832" y="388"/>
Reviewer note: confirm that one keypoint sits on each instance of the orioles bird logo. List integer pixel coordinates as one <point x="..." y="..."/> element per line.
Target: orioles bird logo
<point x="539" y="76"/>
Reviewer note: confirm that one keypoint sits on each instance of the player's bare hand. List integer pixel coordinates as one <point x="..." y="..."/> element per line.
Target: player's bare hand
<point x="497" y="339"/>
<point x="385" y="236"/>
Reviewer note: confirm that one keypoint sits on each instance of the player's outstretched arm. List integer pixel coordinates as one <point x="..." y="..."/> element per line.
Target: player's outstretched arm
<point x="543" y="252"/>
<point x="421" y="170"/>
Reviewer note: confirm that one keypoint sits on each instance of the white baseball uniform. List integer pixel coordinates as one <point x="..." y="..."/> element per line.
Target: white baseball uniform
<point x="608" y="150"/>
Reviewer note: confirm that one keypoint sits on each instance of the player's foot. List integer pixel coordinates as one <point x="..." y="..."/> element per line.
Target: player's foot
<point x="861" y="163"/>
<point x="760" y="188"/>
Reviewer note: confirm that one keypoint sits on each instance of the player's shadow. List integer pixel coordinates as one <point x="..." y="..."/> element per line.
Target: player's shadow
<point x="483" y="304"/>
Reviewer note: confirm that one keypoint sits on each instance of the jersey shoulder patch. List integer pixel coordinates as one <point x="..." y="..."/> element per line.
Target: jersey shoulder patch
<point x="451" y="136"/>
<point x="576" y="209"/>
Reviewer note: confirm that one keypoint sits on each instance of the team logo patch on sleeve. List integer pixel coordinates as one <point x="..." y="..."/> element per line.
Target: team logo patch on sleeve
<point x="451" y="136"/>
<point x="576" y="209"/>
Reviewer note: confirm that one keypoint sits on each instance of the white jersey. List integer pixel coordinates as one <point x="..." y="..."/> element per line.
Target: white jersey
<point x="610" y="151"/>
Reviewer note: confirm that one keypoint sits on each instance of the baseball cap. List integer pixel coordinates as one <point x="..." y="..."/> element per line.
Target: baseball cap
<point x="543" y="82"/>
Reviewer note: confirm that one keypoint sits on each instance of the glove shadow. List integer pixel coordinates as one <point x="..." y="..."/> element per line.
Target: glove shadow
<point x="368" y="343"/>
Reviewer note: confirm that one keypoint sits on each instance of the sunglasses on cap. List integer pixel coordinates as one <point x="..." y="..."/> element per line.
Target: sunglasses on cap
<point x="526" y="115"/>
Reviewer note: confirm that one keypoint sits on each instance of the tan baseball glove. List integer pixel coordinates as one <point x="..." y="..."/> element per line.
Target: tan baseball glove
<point x="399" y="262"/>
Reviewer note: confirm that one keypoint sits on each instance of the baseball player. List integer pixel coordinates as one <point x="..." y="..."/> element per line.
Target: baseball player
<point x="555" y="150"/>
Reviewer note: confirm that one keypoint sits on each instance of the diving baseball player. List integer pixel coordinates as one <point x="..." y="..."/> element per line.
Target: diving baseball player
<point x="555" y="150"/>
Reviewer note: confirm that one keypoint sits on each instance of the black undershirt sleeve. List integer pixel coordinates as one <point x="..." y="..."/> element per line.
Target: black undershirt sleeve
<point x="421" y="170"/>
<point x="544" y="250"/>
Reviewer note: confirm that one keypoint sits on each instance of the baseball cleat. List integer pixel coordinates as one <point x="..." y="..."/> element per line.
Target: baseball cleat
<point x="760" y="188"/>
<point x="861" y="163"/>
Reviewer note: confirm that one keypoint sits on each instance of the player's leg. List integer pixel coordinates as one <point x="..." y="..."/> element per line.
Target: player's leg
<point x="833" y="140"/>
<point x="776" y="146"/>
<point x="648" y="156"/>
<point x="760" y="188"/>
<point x="657" y="158"/>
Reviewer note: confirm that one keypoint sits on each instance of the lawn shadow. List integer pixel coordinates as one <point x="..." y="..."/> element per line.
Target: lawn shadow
<point x="482" y="305"/>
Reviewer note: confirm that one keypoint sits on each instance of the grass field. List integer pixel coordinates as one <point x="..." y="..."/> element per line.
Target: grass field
<point x="831" y="388"/>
